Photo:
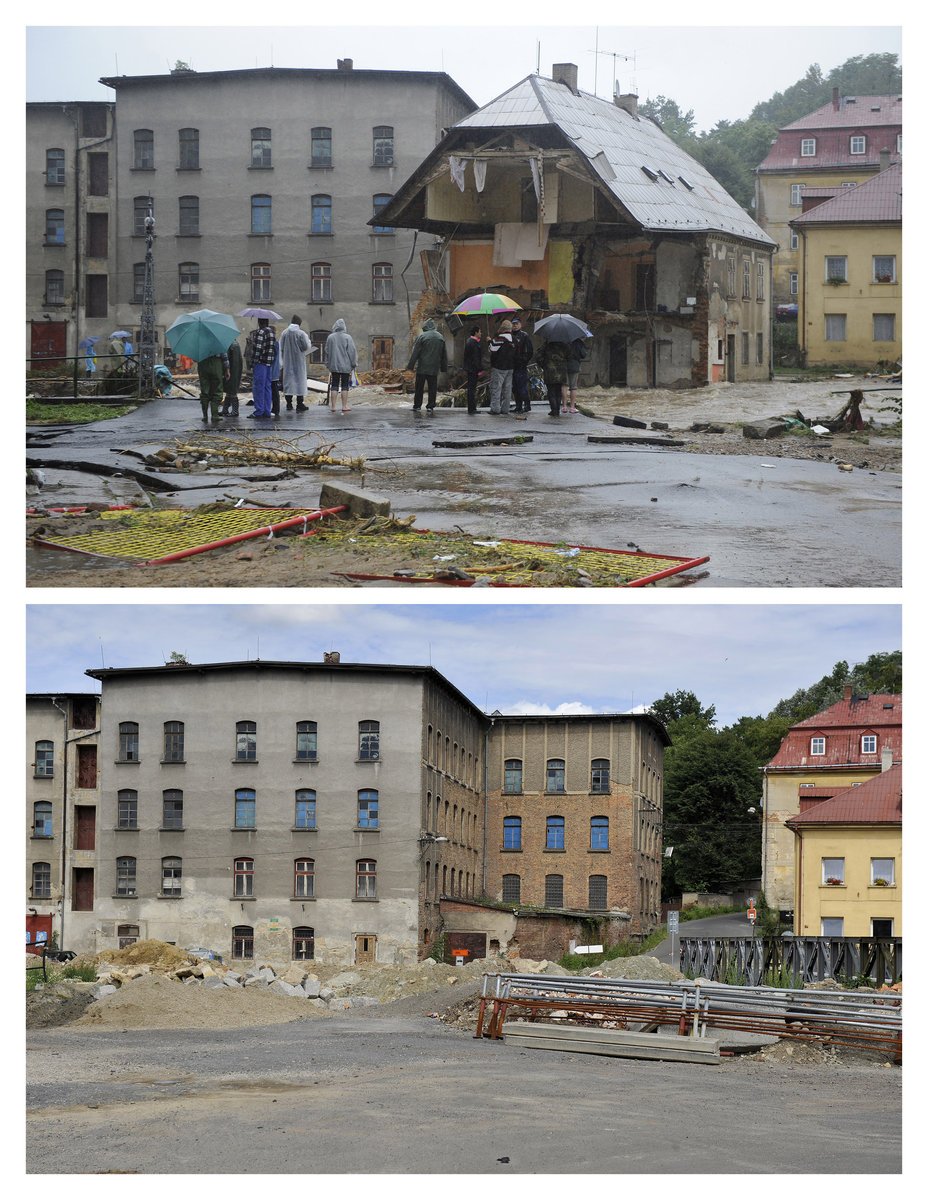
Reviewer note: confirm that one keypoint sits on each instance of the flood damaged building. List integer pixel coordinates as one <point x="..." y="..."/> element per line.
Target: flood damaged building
<point x="568" y="202"/>
<point x="355" y="813"/>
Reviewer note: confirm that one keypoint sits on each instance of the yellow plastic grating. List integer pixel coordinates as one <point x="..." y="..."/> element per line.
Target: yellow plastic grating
<point x="152" y="534"/>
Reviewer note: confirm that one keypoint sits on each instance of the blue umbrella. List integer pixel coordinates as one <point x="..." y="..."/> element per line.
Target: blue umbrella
<point x="201" y="334"/>
<point x="561" y="327"/>
<point x="86" y="343"/>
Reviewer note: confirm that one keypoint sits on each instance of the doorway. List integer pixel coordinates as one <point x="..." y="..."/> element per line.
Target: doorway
<point x="49" y="341"/>
<point x="618" y="361"/>
<point x="730" y="358"/>
<point x="382" y="354"/>
<point x="365" y="948"/>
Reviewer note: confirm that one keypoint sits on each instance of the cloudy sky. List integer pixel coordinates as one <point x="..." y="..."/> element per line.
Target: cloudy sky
<point x="720" y="71"/>
<point x="599" y="657"/>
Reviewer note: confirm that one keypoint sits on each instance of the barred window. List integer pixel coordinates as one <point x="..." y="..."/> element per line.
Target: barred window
<point x="554" y="891"/>
<point x="512" y="889"/>
<point x="598" y="892"/>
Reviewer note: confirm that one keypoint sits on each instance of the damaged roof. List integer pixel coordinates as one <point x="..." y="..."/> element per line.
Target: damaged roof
<point x="661" y="187"/>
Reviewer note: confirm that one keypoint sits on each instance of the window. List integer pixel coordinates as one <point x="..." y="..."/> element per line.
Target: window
<point x="125" y="876"/>
<point x="836" y="327"/>
<point x="554" y="833"/>
<point x="54" y="287"/>
<point x="807" y="148"/>
<point x="383" y="145"/>
<point x="245" y="808"/>
<point x="599" y="775"/>
<point x="261" y="148"/>
<point x="127" y="935"/>
<point x="368" y="809"/>
<point x="261" y="214"/>
<point x="138" y="282"/>
<point x="303" y="877"/>
<point x="512" y="776"/>
<point x="794" y="283"/>
<point x="512" y="889"/>
<point x="730" y="265"/>
<point x="42" y="819"/>
<point x="795" y="195"/>
<point x="306" y="744"/>
<point x="172" y="809"/>
<point x="98" y="174"/>
<point x="187" y="281"/>
<point x="303" y="943"/>
<point x="95" y="303"/>
<point x="243" y="879"/>
<point x="746" y="279"/>
<point x="832" y="871"/>
<point x="188" y="219"/>
<point x="321" y="280"/>
<point x="836" y="268"/>
<point x="817" y="745"/>
<point x="598" y="892"/>
<point x="54" y="227"/>
<point x="171" y="872"/>
<point x="127" y="809"/>
<point x="884" y="327"/>
<point x="599" y="833"/>
<point x="382" y="283"/>
<point x="881" y="927"/>
<point x="858" y="145"/>
<point x="45" y="759"/>
<point x="759" y="347"/>
<point x="188" y="149"/>
<point x="760" y="291"/>
<point x="368" y="740"/>
<point x="554" y="891"/>
<point x="41" y="880"/>
<point x="832" y="927"/>
<point x="246" y="741"/>
<point x="793" y="240"/>
<point x="142" y="207"/>
<point x="321" y="147"/>
<point x="304" y="816"/>
<point x="173" y="741"/>
<point x="321" y="214"/>
<point x="554" y="780"/>
<point x="884" y="268"/>
<point x="381" y="200"/>
<point x="143" y="150"/>
<point x="512" y="833"/>
<point x="868" y="743"/>
<point x="243" y="941"/>
<point x="898" y="143"/>
<point x="366" y="879"/>
<point x="882" y="872"/>
<point x="260" y="282"/>
<point x="745" y="348"/>
<point x="54" y="166"/>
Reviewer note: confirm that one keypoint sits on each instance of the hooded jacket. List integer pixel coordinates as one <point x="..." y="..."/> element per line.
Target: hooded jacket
<point x="341" y="355"/>
<point x="429" y="352"/>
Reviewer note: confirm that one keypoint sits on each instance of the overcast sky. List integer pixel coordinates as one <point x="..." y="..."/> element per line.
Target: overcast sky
<point x="719" y="71"/>
<point x="543" y="658"/>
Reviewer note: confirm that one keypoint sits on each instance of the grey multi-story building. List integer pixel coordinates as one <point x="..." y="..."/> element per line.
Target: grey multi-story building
<point x="261" y="183"/>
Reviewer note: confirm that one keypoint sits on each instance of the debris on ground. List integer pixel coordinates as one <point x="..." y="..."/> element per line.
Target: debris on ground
<point x="636" y="966"/>
<point x="308" y="450"/>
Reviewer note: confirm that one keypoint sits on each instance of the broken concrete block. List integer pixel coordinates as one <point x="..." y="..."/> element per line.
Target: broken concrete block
<point x="767" y="428"/>
<point x="230" y="982"/>
<point x="103" y="989"/>
<point x="629" y="422"/>
<point x="344" y="979"/>
<point x="294" y="975"/>
<point x="267" y="974"/>
<point x="213" y="981"/>
<point x="326" y="994"/>
<point x="358" y="501"/>
<point x="285" y="989"/>
<point x="254" y="981"/>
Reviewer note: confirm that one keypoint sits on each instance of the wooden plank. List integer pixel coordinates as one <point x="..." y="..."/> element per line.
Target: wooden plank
<point x="618" y="1043"/>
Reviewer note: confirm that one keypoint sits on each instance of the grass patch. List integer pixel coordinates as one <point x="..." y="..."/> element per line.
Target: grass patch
<point x="56" y="974"/>
<point x="576" y="962"/>
<point x="73" y="414"/>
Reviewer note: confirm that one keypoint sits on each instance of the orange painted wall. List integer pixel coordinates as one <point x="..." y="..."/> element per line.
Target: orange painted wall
<point x="472" y="267"/>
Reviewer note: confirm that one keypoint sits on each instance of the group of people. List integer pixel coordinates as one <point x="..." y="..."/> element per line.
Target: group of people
<point x="511" y="351"/>
<point x="278" y="367"/>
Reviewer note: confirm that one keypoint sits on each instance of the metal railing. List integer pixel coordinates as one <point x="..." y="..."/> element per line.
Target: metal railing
<point x="750" y="961"/>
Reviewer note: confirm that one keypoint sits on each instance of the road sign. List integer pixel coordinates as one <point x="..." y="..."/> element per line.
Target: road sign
<point x="673" y="921"/>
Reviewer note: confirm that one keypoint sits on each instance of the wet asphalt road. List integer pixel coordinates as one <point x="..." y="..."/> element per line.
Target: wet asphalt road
<point x="765" y="522"/>
<point x="411" y="1096"/>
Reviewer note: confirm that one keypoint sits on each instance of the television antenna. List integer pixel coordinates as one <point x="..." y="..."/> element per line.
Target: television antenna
<point x="632" y="58"/>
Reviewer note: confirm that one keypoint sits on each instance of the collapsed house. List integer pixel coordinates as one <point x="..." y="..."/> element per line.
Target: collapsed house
<point x="565" y="201"/>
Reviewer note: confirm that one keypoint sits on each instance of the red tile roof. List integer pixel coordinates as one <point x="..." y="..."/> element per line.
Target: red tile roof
<point x="876" y="802"/>
<point x="862" y="112"/>
<point x="879" y="199"/>
<point x="842" y="725"/>
<point x="832" y="131"/>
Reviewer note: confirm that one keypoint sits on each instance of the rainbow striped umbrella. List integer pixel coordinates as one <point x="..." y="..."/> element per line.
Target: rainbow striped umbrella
<point x="484" y="304"/>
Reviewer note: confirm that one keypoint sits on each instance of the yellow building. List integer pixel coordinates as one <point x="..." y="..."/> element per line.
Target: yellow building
<point x="849" y="862"/>
<point x="850" y="285"/>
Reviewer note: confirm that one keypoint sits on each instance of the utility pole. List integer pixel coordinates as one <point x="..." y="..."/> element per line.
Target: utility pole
<point x="147" y="338"/>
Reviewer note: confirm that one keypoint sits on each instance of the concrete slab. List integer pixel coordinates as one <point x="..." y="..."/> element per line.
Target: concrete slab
<point x="616" y="1043"/>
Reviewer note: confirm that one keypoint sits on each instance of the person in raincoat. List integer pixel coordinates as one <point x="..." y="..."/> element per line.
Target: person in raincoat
<point x="233" y="381"/>
<point x="212" y="372"/>
<point x="341" y="358"/>
<point x="429" y="356"/>
<point x="275" y="376"/>
<point x="294" y="346"/>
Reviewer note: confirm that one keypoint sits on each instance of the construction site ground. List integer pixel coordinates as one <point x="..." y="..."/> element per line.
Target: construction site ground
<point x="795" y="510"/>
<point x="248" y="1082"/>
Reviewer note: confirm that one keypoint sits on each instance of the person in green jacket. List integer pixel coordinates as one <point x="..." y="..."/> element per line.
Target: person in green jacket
<point x="429" y="356"/>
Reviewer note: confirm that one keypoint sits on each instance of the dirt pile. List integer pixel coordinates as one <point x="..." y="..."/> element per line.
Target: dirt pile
<point x="158" y="956"/>
<point x="640" y="966"/>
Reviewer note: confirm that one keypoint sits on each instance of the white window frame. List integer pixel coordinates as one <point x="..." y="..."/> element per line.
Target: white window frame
<point x="793" y="240"/>
<point x="795" y="195"/>
<point x="794" y="283"/>
<point x="807" y="148"/>
<point x="865" y="739"/>
<point x="839" y="921"/>
<point x="890" y="319"/>
<point x="882" y="873"/>
<point x="833" y="868"/>
<point x="832" y="264"/>
<point x="891" y="258"/>
<point x="813" y="743"/>
<point x="859" y="140"/>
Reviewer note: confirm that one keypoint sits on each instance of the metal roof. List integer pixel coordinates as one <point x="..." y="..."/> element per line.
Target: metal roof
<point x="876" y="802"/>
<point x="879" y="199"/>
<point x="661" y="186"/>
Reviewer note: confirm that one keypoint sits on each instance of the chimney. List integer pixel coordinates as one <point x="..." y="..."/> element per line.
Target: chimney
<point x="884" y="158"/>
<point x="629" y="102"/>
<point x="886" y="758"/>
<point x="331" y="658"/>
<point x="345" y="64"/>
<point x="835" y="99"/>
<point x="848" y="692"/>
<point x="565" y="73"/>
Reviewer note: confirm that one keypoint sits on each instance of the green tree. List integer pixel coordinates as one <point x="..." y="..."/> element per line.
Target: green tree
<point x="677" y="124"/>
<point x="672" y="706"/>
